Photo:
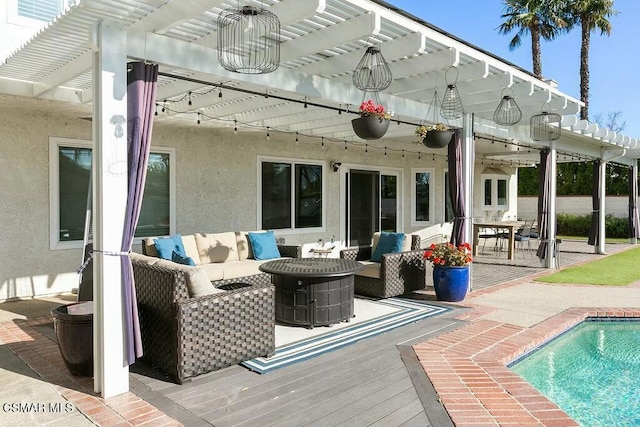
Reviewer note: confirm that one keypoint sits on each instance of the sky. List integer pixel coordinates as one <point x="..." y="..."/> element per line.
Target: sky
<point x="614" y="61"/>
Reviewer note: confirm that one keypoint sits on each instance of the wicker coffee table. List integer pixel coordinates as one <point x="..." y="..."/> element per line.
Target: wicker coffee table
<point x="313" y="291"/>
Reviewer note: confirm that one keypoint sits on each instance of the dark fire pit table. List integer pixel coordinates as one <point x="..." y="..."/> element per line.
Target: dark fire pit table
<point x="313" y="291"/>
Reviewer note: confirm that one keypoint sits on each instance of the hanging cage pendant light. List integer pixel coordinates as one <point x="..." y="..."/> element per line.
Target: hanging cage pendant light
<point x="545" y="126"/>
<point x="507" y="113"/>
<point x="249" y="40"/>
<point x="451" y="103"/>
<point x="372" y="74"/>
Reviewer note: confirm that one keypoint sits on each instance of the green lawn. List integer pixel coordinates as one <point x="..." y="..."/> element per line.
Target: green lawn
<point x="614" y="270"/>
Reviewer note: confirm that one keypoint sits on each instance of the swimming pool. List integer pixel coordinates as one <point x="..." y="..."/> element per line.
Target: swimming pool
<point x="592" y="372"/>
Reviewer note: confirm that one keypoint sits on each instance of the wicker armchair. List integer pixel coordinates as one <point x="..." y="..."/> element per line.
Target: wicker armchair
<point x="185" y="337"/>
<point x="400" y="273"/>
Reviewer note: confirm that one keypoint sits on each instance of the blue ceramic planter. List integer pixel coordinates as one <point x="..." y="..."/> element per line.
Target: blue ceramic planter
<point x="451" y="283"/>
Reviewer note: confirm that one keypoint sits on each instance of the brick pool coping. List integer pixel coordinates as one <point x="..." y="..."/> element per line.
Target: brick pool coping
<point x="468" y="368"/>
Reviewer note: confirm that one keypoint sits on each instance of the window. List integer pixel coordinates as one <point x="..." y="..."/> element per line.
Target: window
<point x="495" y="191"/>
<point x="70" y="170"/>
<point x="35" y="13"/>
<point x="291" y="195"/>
<point x="422" y="197"/>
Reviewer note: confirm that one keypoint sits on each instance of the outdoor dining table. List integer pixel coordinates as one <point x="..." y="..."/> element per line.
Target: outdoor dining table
<point x="500" y="226"/>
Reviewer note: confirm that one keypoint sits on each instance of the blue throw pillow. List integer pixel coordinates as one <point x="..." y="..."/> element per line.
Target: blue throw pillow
<point x="264" y="245"/>
<point x="388" y="243"/>
<point x="186" y="260"/>
<point x="165" y="246"/>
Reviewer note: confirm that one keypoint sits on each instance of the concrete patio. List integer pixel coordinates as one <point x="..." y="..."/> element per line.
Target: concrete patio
<point x="506" y="298"/>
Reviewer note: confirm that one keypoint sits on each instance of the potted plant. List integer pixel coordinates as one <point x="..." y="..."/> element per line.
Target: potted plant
<point x="450" y="270"/>
<point x="373" y="121"/>
<point x="434" y="136"/>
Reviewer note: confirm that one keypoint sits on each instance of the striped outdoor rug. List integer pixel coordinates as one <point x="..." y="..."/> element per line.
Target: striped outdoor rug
<point x="393" y="313"/>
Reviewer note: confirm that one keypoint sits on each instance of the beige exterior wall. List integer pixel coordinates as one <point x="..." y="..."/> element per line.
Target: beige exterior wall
<point x="216" y="187"/>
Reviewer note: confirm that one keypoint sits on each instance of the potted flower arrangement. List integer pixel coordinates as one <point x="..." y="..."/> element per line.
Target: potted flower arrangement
<point x="373" y="121"/>
<point x="434" y="136"/>
<point x="450" y="270"/>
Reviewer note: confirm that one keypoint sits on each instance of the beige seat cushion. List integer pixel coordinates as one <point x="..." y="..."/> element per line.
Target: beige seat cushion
<point x="406" y="243"/>
<point x="371" y="269"/>
<point x="188" y="241"/>
<point x="219" y="247"/>
<point x="244" y="246"/>
<point x="190" y="247"/>
<point x="197" y="280"/>
<point x="215" y="271"/>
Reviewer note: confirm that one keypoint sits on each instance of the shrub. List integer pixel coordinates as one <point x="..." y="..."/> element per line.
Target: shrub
<point x="579" y="225"/>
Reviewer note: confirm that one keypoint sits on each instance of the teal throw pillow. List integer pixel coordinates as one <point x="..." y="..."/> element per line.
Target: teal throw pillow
<point x="186" y="260"/>
<point x="166" y="246"/>
<point x="388" y="243"/>
<point x="264" y="245"/>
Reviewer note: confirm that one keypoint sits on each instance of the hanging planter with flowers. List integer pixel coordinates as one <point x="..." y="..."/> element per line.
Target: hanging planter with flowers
<point x="373" y="121"/>
<point x="436" y="135"/>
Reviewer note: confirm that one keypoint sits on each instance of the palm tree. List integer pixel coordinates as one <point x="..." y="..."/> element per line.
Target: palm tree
<point x="543" y="19"/>
<point x="591" y="15"/>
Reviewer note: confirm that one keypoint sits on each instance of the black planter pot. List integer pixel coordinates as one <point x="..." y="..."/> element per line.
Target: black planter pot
<point x="370" y="127"/>
<point x="437" y="138"/>
<point x="73" y="325"/>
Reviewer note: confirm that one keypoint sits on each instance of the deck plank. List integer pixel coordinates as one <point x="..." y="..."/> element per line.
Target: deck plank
<point x="346" y="385"/>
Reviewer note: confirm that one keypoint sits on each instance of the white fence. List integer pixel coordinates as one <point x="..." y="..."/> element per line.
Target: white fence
<point x="577" y="205"/>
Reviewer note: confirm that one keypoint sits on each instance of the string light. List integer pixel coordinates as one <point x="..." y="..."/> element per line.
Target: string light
<point x="235" y="127"/>
<point x="419" y="157"/>
<point x="339" y="109"/>
<point x="164" y="105"/>
<point x="156" y="110"/>
<point x="198" y="117"/>
<point x="366" y="148"/>
<point x="190" y="103"/>
<point x="220" y="93"/>
<point x="322" y="142"/>
<point x="403" y="154"/>
<point x="296" y="138"/>
<point x="385" y="151"/>
<point x="345" y="144"/>
<point x="305" y="102"/>
<point x="268" y="135"/>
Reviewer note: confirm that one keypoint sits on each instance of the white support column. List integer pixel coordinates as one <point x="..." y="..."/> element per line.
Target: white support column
<point x="468" y="154"/>
<point x="600" y="247"/>
<point x="634" y="176"/>
<point x="111" y="372"/>
<point x="550" y="260"/>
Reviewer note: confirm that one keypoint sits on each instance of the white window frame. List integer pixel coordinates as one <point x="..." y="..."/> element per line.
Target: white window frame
<point x="414" y="202"/>
<point x="14" y="18"/>
<point x="54" y="190"/>
<point x="293" y="162"/>
<point x="494" y="191"/>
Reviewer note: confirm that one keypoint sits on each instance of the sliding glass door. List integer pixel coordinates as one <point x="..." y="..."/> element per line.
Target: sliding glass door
<point x="372" y="204"/>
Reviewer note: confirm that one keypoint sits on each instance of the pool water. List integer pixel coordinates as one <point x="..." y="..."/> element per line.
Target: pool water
<point x="592" y="372"/>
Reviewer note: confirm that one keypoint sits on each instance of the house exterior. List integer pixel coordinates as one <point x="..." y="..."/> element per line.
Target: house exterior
<point x="235" y="151"/>
<point x="215" y="180"/>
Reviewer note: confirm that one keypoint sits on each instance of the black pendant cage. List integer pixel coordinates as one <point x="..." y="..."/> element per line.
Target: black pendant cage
<point x="545" y="126"/>
<point x="507" y="113"/>
<point x="248" y="40"/>
<point x="451" y="108"/>
<point x="372" y="74"/>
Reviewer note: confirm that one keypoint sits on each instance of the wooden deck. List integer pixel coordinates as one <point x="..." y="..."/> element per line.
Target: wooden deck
<point x="373" y="382"/>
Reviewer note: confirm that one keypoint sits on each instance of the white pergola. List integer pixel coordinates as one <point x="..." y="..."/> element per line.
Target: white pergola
<point x="79" y="62"/>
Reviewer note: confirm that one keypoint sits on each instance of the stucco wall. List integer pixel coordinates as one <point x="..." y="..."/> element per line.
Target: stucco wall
<point x="216" y="188"/>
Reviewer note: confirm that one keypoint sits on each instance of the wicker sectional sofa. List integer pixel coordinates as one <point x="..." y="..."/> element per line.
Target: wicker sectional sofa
<point x="395" y="274"/>
<point x="185" y="335"/>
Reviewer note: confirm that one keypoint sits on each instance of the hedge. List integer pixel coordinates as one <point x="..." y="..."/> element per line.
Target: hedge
<point x="579" y="225"/>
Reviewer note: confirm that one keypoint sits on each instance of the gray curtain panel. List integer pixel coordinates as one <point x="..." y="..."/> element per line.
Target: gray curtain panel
<point x="594" y="230"/>
<point x="544" y="195"/>
<point x="456" y="188"/>
<point x="141" y="97"/>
